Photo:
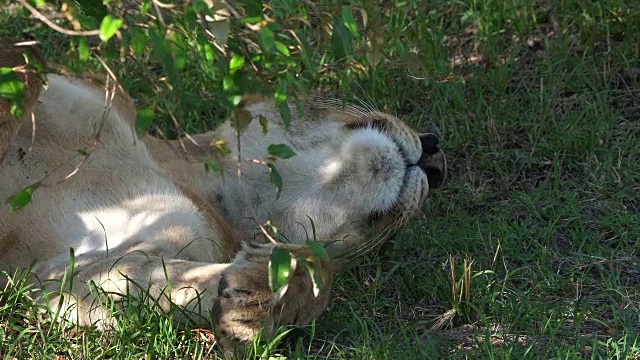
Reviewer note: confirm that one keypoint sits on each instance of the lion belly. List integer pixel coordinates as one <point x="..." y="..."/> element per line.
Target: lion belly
<point x="99" y="188"/>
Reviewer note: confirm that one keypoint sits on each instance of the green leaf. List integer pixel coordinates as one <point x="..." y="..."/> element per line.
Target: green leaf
<point x="348" y="21"/>
<point x="240" y="120"/>
<point x="139" y="41"/>
<point x="316" y="278"/>
<point x="285" y="113"/>
<point x="12" y="90"/>
<point x="264" y="124"/>
<point x="318" y="250"/>
<point x="144" y="7"/>
<point x="266" y="39"/>
<point x="199" y="5"/>
<point x="282" y="48"/>
<point x="109" y="27"/>
<point x="253" y="8"/>
<point x="282" y="151"/>
<point x="251" y="20"/>
<point x="22" y="198"/>
<point x="212" y="165"/>
<point x="9" y="81"/>
<point x="341" y="39"/>
<point x="229" y="84"/>
<point x="162" y="52"/>
<point x="233" y="99"/>
<point x="82" y="152"/>
<point x="94" y="8"/>
<point x="206" y="52"/>
<point x="236" y="63"/>
<point x="143" y="120"/>
<point x="179" y="49"/>
<point x="281" y="92"/>
<point x="275" y="178"/>
<point x="83" y="49"/>
<point x="281" y="102"/>
<point x="279" y="270"/>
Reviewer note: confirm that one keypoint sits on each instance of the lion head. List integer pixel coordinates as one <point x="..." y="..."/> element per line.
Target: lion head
<point x="357" y="176"/>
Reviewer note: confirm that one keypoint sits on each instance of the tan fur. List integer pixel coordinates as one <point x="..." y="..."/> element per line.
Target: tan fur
<point x="14" y="57"/>
<point x="146" y="210"/>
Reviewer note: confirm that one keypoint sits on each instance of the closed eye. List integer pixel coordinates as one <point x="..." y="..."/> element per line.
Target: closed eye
<point x="368" y="123"/>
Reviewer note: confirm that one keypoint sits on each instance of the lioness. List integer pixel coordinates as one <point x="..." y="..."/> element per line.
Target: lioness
<point x="137" y="212"/>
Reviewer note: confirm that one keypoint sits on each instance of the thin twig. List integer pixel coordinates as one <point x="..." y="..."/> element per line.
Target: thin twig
<point x="268" y="236"/>
<point x="156" y="7"/>
<point x="231" y="9"/>
<point x="55" y="27"/>
<point x="108" y="102"/>
<point x="163" y="5"/>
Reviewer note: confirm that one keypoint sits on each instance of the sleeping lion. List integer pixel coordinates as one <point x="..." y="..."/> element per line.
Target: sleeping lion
<point x="112" y="213"/>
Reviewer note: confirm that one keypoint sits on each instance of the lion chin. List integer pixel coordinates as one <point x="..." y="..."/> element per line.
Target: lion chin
<point x="145" y="209"/>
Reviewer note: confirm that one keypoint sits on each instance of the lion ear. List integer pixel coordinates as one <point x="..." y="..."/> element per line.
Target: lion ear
<point x="13" y="56"/>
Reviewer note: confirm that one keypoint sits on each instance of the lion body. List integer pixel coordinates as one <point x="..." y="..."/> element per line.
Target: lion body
<point x="147" y="210"/>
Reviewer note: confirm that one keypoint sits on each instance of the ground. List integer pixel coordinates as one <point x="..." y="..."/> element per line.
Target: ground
<point x="530" y="250"/>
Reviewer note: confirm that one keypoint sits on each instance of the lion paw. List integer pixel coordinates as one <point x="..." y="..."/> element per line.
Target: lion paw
<point x="246" y="306"/>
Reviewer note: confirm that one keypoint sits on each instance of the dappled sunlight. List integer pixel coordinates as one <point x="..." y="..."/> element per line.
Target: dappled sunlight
<point x="331" y="170"/>
<point x="146" y="216"/>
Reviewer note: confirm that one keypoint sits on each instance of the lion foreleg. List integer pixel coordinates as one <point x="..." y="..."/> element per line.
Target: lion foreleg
<point x="235" y="298"/>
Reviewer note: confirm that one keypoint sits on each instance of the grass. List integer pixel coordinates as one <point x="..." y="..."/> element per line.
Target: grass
<point x="531" y="248"/>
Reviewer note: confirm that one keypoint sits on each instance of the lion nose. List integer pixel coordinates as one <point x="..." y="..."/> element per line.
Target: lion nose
<point x="432" y="160"/>
<point x="430" y="143"/>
